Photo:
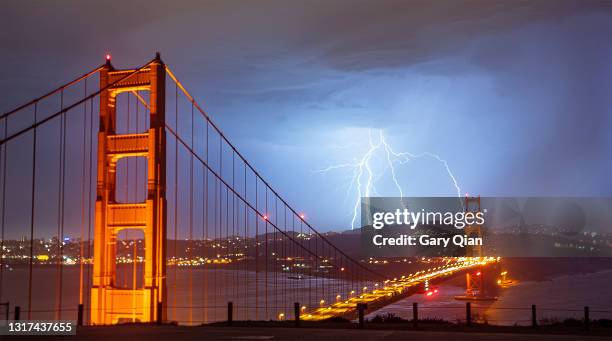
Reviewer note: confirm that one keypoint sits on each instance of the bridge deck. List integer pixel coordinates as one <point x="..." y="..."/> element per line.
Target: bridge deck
<point x="394" y="290"/>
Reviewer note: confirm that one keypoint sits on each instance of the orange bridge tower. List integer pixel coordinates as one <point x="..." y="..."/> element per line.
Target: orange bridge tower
<point x="477" y="282"/>
<point x="109" y="302"/>
<point x="472" y="205"/>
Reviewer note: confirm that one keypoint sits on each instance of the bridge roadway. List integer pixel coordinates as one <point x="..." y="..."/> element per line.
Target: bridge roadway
<point x="395" y="289"/>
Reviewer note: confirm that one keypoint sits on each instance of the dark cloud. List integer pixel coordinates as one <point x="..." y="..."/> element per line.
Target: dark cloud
<point x="364" y="35"/>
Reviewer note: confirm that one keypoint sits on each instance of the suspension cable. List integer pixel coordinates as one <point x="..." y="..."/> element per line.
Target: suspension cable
<point x="70" y="107"/>
<point x="52" y="92"/>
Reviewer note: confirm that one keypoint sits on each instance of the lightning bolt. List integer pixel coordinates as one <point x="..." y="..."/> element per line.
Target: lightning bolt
<point x="364" y="178"/>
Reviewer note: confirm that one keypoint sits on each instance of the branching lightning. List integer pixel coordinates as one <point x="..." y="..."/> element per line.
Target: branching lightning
<point x="364" y="178"/>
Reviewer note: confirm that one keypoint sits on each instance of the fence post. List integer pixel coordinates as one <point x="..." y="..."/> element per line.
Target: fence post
<point x="534" y="321"/>
<point x="230" y="313"/>
<point x="587" y="320"/>
<point x="415" y="314"/>
<point x="296" y="313"/>
<point x="361" y="307"/>
<point x="159" y="313"/>
<point x="80" y="315"/>
<point x="468" y="313"/>
<point x="17" y="313"/>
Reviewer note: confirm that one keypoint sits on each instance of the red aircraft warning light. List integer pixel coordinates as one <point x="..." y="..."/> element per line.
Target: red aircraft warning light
<point x="302" y="216"/>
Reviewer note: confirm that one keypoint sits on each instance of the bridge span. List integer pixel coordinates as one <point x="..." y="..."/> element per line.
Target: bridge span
<point x="395" y="289"/>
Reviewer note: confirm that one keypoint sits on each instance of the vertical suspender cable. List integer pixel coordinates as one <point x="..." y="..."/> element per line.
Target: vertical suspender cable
<point x="190" y="245"/>
<point x="256" y="250"/>
<point x="204" y="233"/>
<point x="82" y="234"/>
<point x="227" y="245"/>
<point x="61" y="204"/>
<point x="275" y="254"/>
<point x="234" y="220"/>
<point x="58" y="254"/>
<point x="125" y="244"/>
<point x="219" y="214"/>
<point x="206" y="204"/>
<point x="89" y="186"/>
<point x="267" y="315"/>
<point x="285" y="256"/>
<point x="4" y="152"/>
<point x="32" y="214"/>
<point x="246" y="251"/>
<point x="301" y="298"/>
<point x="174" y="280"/>
<point x="135" y="241"/>
<point x="204" y="239"/>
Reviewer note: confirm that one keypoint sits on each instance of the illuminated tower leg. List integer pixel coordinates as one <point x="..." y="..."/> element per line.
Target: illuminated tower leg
<point x="474" y="282"/>
<point x="109" y="303"/>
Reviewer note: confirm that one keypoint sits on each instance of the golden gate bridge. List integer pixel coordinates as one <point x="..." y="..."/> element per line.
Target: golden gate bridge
<point x="123" y="202"/>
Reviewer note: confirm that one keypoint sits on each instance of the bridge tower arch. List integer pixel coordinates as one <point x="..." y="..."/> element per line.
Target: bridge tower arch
<point x="109" y="302"/>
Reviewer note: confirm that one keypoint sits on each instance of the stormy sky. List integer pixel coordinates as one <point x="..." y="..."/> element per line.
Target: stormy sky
<point x="516" y="96"/>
